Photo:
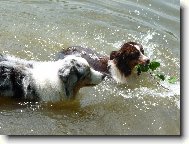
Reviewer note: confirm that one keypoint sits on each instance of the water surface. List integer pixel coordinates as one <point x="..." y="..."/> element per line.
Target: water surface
<point x="39" y="29"/>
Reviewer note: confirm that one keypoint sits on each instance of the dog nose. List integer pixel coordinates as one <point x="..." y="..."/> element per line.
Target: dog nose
<point x="147" y="61"/>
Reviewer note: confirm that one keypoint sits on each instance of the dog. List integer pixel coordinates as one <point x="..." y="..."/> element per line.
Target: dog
<point x="45" y="81"/>
<point x="119" y="65"/>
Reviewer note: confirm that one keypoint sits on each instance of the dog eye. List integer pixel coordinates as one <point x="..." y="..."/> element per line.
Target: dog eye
<point x="135" y="55"/>
<point x="78" y="65"/>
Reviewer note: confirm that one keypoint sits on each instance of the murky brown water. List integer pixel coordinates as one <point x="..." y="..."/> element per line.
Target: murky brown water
<point x="38" y="29"/>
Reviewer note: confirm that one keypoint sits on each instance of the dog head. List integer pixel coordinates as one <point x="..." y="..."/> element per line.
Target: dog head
<point x="129" y="55"/>
<point x="76" y="73"/>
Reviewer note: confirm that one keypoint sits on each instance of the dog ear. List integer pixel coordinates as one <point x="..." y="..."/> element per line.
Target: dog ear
<point x="69" y="75"/>
<point x="113" y="54"/>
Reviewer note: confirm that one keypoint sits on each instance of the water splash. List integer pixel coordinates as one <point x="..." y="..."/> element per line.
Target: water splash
<point x="109" y="89"/>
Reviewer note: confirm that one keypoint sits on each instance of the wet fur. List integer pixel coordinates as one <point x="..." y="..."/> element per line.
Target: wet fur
<point x="95" y="60"/>
<point x="127" y="57"/>
<point x="46" y="81"/>
<point x="119" y="62"/>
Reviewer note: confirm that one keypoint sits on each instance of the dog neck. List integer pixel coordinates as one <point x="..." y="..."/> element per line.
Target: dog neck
<point x="120" y="74"/>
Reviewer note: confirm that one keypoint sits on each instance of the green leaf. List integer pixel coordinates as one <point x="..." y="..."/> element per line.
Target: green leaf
<point x="143" y="68"/>
<point x="172" y="80"/>
<point x="161" y="76"/>
<point x="154" y="65"/>
<point x="138" y="70"/>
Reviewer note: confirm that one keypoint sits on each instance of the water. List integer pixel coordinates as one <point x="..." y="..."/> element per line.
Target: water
<point x="38" y="29"/>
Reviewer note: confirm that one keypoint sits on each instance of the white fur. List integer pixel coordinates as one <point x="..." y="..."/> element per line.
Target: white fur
<point x="96" y="76"/>
<point x="78" y="58"/>
<point x="119" y="77"/>
<point x="48" y="84"/>
<point x="142" y="57"/>
<point x="115" y="73"/>
<point x="44" y="76"/>
<point x="18" y="60"/>
<point x="137" y="47"/>
<point x="47" y="81"/>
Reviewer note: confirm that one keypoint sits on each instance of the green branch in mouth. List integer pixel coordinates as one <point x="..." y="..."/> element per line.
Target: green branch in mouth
<point x="151" y="67"/>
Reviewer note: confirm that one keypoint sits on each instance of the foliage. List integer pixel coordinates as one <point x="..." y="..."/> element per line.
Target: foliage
<point x="151" y="67"/>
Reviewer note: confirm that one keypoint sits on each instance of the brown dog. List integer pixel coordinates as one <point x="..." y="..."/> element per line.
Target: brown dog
<point x="119" y="64"/>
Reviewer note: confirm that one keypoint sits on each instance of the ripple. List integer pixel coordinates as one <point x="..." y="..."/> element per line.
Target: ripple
<point x="40" y="29"/>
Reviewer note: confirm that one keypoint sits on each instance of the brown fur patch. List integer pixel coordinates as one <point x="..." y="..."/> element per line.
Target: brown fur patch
<point x="126" y="58"/>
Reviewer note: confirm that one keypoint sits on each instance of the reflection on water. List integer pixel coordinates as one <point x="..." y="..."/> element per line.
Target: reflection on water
<point x="39" y="29"/>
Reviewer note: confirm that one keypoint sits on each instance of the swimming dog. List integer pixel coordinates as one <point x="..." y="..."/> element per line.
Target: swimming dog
<point x="45" y="81"/>
<point x="119" y="65"/>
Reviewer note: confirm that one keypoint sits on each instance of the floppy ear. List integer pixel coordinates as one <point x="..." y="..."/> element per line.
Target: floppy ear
<point x="68" y="74"/>
<point x="113" y="54"/>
